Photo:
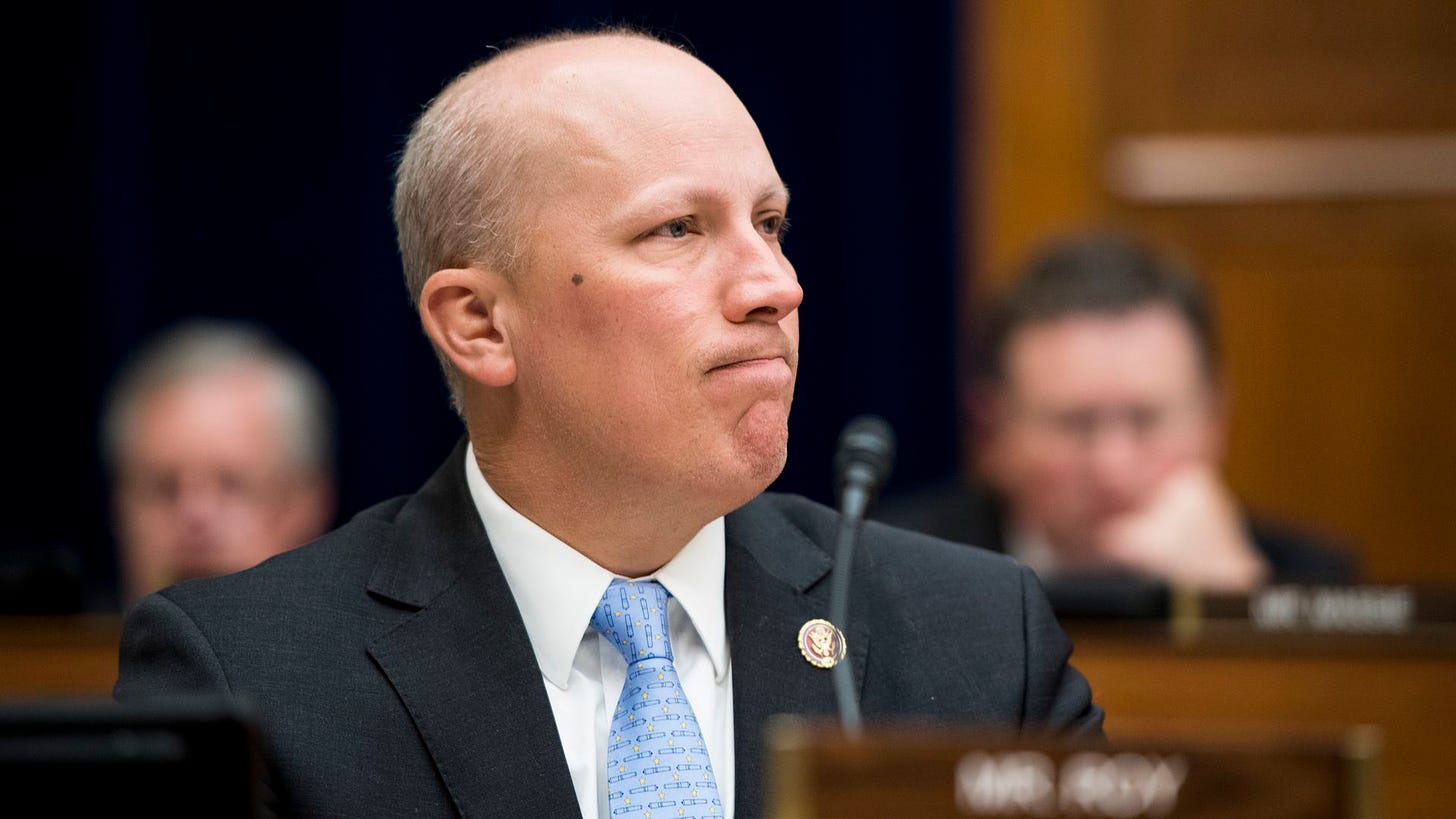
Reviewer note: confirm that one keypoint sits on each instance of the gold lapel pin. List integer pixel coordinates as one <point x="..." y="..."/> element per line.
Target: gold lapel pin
<point x="822" y="643"/>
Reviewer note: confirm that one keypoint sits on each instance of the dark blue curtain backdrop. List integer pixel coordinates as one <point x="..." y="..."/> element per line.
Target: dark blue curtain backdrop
<point x="221" y="160"/>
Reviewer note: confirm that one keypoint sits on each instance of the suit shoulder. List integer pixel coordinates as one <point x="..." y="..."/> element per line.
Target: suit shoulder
<point x="890" y="547"/>
<point x="345" y="554"/>
<point x="1298" y="555"/>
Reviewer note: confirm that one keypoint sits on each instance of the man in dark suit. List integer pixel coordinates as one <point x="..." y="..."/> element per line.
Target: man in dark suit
<point x="590" y="226"/>
<point x="1100" y="431"/>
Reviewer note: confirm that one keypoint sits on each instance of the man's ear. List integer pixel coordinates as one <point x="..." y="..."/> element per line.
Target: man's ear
<point x="461" y="310"/>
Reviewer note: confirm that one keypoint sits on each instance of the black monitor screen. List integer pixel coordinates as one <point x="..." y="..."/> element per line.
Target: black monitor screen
<point x="180" y="758"/>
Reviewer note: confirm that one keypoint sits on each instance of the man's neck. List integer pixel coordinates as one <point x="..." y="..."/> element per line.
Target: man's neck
<point x="627" y="529"/>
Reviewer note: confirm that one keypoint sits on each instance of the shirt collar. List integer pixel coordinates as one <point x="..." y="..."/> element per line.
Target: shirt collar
<point x="694" y="576"/>
<point x="557" y="588"/>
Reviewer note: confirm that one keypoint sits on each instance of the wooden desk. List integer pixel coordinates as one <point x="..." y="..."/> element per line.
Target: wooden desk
<point x="934" y="769"/>
<point x="1149" y="683"/>
<point x="71" y="656"/>
<point x="1237" y="681"/>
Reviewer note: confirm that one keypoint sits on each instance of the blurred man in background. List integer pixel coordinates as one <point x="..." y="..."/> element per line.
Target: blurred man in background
<point x="1102" y="430"/>
<point x="219" y="442"/>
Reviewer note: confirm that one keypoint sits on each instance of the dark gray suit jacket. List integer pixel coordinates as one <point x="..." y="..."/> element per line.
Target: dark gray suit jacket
<point x="391" y="673"/>
<point x="975" y="514"/>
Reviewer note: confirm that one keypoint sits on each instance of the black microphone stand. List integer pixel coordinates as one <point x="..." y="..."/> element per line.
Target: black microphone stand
<point x="862" y="463"/>
<point x="849" y="714"/>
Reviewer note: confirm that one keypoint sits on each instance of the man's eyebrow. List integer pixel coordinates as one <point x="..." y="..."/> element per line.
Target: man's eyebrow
<point x="654" y="199"/>
<point x="777" y="190"/>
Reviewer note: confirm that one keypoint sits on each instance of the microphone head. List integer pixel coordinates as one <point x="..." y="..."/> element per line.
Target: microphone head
<point x="865" y="455"/>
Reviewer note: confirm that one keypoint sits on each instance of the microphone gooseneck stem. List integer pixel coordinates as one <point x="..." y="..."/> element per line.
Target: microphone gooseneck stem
<point x="861" y="465"/>
<point x="855" y="501"/>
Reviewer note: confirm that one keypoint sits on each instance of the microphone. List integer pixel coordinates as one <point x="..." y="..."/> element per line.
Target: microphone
<point x="861" y="465"/>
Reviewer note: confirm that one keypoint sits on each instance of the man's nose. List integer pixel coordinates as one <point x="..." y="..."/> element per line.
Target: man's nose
<point x="198" y="500"/>
<point x="1114" y="458"/>
<point x="762" y="285"/>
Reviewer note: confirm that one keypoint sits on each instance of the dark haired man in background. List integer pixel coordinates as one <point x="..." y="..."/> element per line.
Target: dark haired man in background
<point x="1102" y="429"/>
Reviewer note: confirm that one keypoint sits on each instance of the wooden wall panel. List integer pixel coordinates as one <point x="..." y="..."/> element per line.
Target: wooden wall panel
<point x="1339" y="314"/>
<point x="1037" y="126"/>
<point x="1305" y="65"/>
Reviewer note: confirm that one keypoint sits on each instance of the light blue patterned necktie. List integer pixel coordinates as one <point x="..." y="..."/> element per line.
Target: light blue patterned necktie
<point x="657" y="762"/>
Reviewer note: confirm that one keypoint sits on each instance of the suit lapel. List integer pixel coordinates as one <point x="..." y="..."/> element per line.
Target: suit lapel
<point x="775" y="580"/>
<point x="463" y="665"/>
<point x="464" y="668"/>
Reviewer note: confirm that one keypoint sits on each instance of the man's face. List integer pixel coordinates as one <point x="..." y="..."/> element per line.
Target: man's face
<point x="654" y="321"/>
<point x="1094" y="413"/>
<point x="204" y="486"/>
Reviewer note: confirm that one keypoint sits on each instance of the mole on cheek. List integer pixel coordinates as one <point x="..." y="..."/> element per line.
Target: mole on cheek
<point x="576" y="278"/>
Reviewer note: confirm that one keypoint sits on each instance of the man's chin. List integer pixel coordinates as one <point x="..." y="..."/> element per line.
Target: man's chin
<point x="209" y="565"/>
<point x="762" y="440"/>
<point x="1074" y="547"/>
<point x="754" y="457"/>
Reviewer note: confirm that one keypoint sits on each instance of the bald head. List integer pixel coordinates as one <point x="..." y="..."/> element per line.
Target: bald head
<point x="471" y="169"/>
<point x="634" y="345"/>
<point x="483" y="156"/>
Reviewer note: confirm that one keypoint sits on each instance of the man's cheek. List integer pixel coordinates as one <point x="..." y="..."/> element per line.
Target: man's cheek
<point x="584" y="319"/>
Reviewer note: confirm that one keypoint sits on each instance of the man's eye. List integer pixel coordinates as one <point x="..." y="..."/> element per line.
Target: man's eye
<point x="1078" y="424"/>
<point x="156" y="488"/>
<point x="676" y="229"/>
<point x="1145" y="420"/>
<point x="777" y="226"/>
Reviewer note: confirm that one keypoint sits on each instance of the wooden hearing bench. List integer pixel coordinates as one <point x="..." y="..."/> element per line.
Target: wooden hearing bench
<point x="1376" y="661"/>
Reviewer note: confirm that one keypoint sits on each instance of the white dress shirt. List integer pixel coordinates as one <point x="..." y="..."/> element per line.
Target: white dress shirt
<point x="557" y="588"/>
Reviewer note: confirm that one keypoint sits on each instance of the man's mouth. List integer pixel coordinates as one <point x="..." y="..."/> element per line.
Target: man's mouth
<point x="767" y="370"/>
<point x="752" y="357"/>
<point x="750" y="362"/>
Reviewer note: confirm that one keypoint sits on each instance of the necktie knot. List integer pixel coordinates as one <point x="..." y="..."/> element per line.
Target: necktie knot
<point x="632" y="615"/>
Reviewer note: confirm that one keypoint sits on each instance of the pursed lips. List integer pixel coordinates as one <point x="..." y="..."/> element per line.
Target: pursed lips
<point x="749" y="359"/>
<point x="748" y="362"/>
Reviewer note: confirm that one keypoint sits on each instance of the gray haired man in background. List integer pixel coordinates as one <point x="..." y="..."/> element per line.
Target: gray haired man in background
<point x="219" y="443"/>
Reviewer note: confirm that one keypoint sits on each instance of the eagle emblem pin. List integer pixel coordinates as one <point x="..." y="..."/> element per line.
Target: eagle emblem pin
<point x="822" y="643"/>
